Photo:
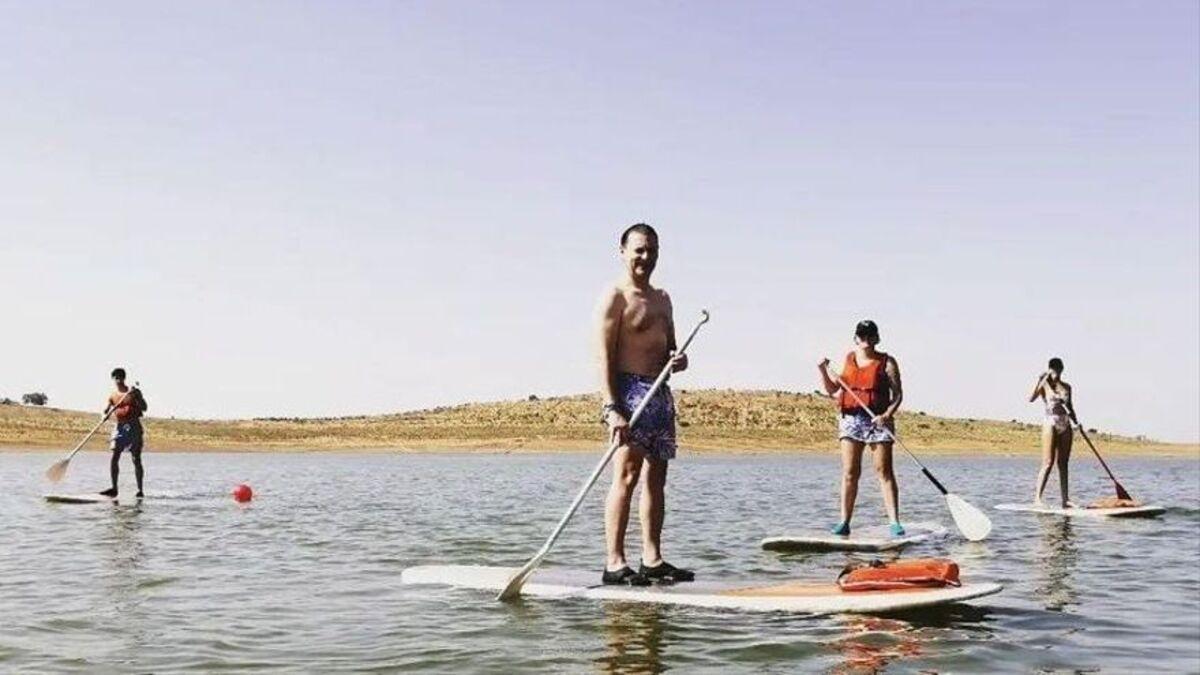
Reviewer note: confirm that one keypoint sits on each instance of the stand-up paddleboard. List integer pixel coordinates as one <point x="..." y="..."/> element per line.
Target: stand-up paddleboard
<point x="90" y="498"/>
<point x="1147" y="511"/>
<point x="87" y="498"/>
<point x="792" y="596"/>
<point x="869" y="539"/>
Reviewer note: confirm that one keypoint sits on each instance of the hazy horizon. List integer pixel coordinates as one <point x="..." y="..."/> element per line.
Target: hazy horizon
<point x="339" y="209"/>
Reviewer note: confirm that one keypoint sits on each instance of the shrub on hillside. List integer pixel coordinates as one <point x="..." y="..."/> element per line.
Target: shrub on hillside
<point x="35" y="398"/>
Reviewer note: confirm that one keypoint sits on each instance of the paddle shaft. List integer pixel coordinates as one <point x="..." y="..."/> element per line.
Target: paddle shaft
<point x="612" y="448"/>
<point x="99" y="424"/>
<point x="862" y="404"/>
<point x="971" y="522"/>
<point x="1122" y="493"/>
<point x="524" y="572"/>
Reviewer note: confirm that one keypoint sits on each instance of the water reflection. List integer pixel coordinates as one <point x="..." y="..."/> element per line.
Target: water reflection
<point x="634" y="638"/>
<point x="123" y="555"/>
<point x="1056" y="562"/>
<point x="872" y="643"/>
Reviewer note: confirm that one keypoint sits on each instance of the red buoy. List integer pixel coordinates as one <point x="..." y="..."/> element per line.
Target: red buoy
<point x="243" y="493"/>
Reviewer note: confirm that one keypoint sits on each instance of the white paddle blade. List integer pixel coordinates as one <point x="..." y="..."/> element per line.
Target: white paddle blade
<point x="57" y="470"/>
<point x="513" y="588"/>
<point x="973" y="523"/>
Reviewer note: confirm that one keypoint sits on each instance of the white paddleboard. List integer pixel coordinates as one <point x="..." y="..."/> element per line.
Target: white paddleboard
<point x="89" y="498"/>
<point x="791" y="596"/>
<point x="874" y="539"/>
<point x="1146" y="511"/>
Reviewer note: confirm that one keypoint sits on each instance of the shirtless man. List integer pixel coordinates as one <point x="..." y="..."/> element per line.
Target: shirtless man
<point x="637" y="339"/>
<point x="127" y="404"/>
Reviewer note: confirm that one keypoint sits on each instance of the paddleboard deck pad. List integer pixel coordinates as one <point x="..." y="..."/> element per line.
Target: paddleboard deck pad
<point x="1146" y="511"/>
<point x="869" y="539"/>
<point x="791" y="596"/>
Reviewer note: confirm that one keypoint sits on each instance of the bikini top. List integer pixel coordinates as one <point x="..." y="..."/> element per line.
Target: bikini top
<point x="1056" y="403"/>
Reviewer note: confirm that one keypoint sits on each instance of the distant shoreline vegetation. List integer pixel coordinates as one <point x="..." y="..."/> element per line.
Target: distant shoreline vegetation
<point x="710" y="420"/>
<point x="35" y="398"/>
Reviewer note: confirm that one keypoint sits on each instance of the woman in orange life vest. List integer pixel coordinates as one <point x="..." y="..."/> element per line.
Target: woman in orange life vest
<point x="875" y="378"/>
<point x="1057" y="435"/>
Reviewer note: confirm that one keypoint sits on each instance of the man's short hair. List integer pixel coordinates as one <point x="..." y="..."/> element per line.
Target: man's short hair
<point x="1055" y="364"/>
<point x="642" y="228"/>
<point x="118" y="373"/>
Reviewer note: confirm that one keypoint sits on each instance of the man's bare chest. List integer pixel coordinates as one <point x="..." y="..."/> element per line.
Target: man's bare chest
<point x="646" y="317"/>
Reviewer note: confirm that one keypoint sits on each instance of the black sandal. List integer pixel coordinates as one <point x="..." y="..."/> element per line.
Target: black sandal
<point x="624" y="577"/>
<point x="665" y="571"/>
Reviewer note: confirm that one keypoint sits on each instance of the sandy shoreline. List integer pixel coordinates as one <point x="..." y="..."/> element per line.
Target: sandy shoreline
<point x="1173" y="451"/>
<point x="711" y="422"/>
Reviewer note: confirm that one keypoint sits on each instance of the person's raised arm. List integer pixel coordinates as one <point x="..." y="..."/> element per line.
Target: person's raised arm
<point x="1038" y="388"/>
<point x="830" y="383"/>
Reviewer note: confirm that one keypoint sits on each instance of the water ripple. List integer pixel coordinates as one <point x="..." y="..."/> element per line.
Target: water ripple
<point x="306" y="578"/>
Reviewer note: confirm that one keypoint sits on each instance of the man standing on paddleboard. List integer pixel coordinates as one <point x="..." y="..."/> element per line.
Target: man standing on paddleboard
<point x="865" y="418"/>
<point x="127" y="405"/>
<point x="636" y="331"/>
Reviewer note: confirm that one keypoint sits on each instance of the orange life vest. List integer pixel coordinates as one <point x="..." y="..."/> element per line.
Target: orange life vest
<point x="870" y="382"/>
<point x="917" y="573"/>
<point x="127" y="410"/>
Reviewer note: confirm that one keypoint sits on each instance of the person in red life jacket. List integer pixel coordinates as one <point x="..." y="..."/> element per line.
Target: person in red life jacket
<point x="875" y="378"/>
<point x="1057" y="435"/>
<point x="127" y="405"/>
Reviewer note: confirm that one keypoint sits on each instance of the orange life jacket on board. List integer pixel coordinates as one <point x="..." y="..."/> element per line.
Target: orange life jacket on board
<point x="900" y="574"/>
<point x="870" y="382"/>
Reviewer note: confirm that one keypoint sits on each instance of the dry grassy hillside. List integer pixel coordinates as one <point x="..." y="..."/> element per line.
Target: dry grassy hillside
<point x="719" y="420"/>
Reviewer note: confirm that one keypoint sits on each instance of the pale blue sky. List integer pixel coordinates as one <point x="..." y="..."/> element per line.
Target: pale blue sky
<point x="286" y="208"/>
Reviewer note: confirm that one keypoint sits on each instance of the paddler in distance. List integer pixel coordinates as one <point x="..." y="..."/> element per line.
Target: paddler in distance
<point x="636" y="336"/>
<point x="1057" y="435"/>
<point x="127" y="404"/>
<point x="875" y="378"/>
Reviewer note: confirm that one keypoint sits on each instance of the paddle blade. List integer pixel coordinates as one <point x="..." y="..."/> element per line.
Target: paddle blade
<point x="1122" y="493"/>
<point x="517" y="581"/>
<point x="57" y="471"/>
<point x="513" y="589"/>
<point x="973" y="523"/>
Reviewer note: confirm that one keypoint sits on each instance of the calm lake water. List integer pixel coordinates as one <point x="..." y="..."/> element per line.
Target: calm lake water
<point x="306" y="578"/>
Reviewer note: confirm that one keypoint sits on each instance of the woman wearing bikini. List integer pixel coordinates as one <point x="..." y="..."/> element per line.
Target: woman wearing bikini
<point x="874" y="378"/>
<point x="1057" y="435"/>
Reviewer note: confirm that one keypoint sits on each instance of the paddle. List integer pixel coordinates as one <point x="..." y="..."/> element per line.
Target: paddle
<point x="59" y="469"/>
<point x="1122" y="493"/>
<point x="973" y="523"/>
<point x="517" y="581"/>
